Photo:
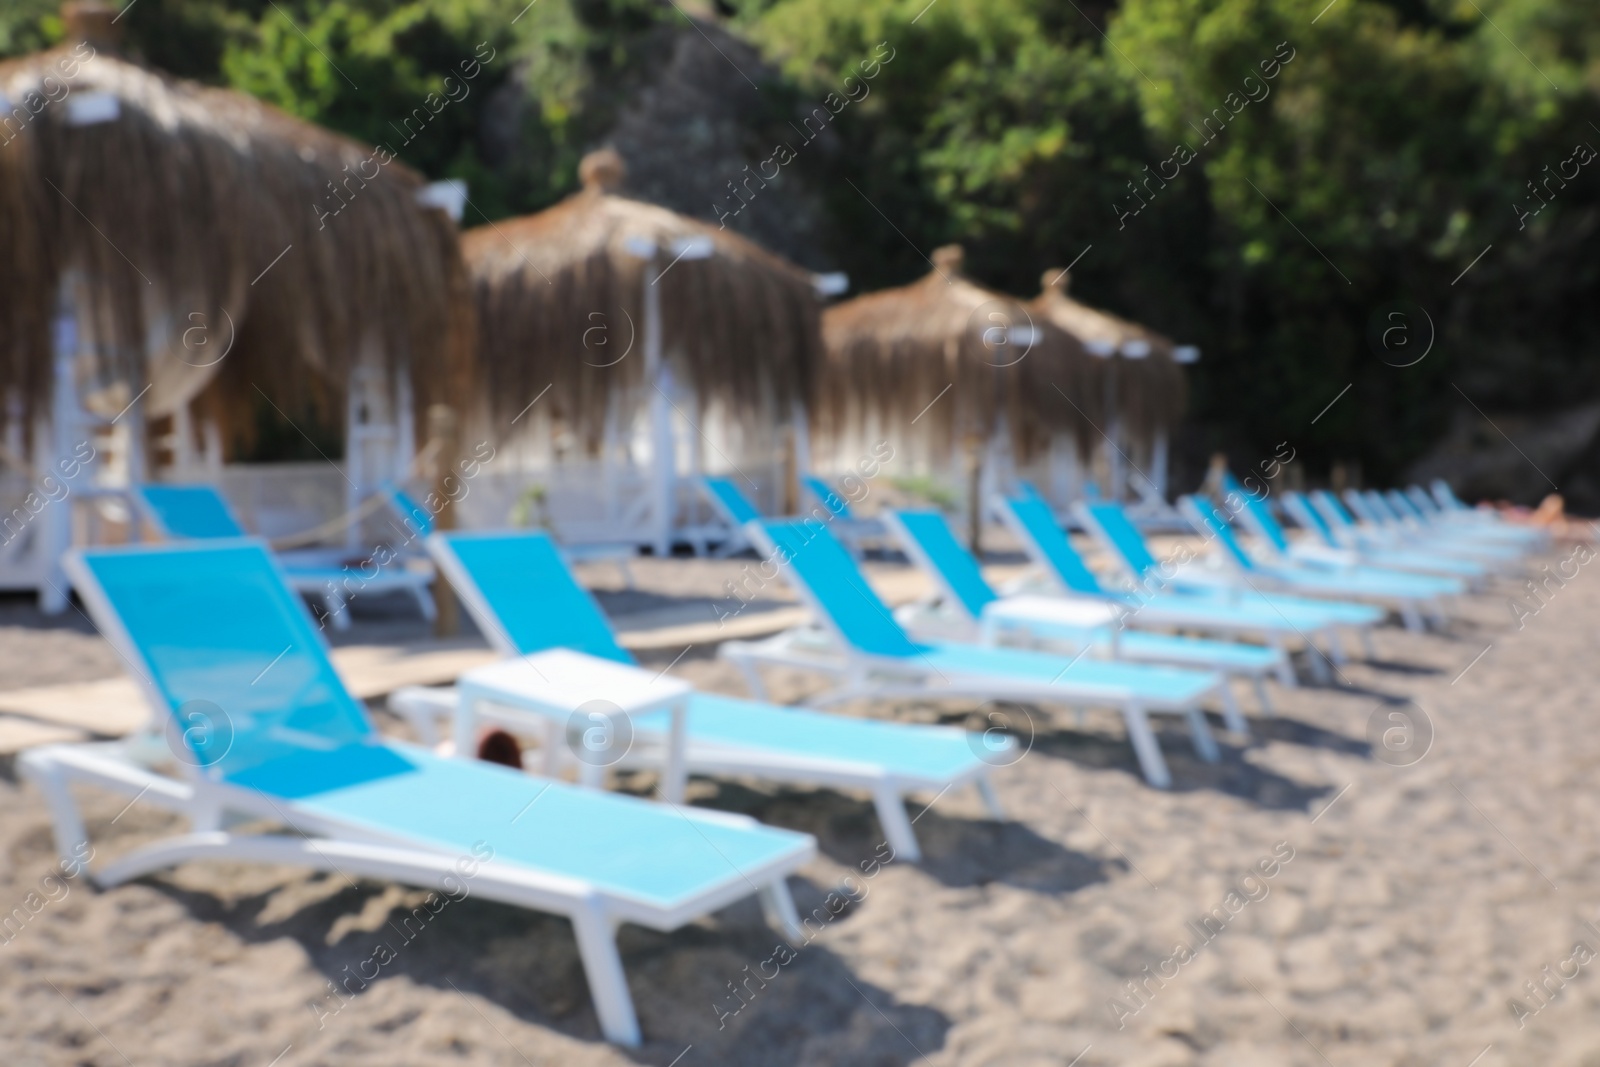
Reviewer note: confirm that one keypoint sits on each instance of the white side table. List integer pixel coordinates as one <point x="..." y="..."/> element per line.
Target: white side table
<point x="544" y="690"/>
<point x="1089" y="618"/>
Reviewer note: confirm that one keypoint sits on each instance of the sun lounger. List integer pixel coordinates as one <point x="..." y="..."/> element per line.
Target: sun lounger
<point x="420" y="522"/>
<point x="1443" y="511"/>
<point x="199" y="513"/>
<point x="862" y="645"/>
<point x="523" y="597"/>
<point x="1073" y="624"/>
<point x="852" y="529"/>
<point x="260" y="725"/>
<point x="1405" y="511"/>
<point x="1372" y="530"/>
<point x="1409" y="594"/>
<point x="1322" y="552"/>
<point x="1163" y="598"/>
<point x="735" y="511"/>
<point x="1309" y="517"/>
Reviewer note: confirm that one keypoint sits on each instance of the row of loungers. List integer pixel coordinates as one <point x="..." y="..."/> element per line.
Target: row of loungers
<point x="259" y="724"/>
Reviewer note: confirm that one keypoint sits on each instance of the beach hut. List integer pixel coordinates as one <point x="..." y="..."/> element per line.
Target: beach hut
<point x="1142" y="385"/>
<point x="963" y="382"/>
<point x="626" y="349"/>
<point x="166" y="247"/>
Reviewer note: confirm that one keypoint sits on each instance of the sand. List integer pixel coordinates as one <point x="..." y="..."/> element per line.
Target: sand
<point x="1406" y="905"/>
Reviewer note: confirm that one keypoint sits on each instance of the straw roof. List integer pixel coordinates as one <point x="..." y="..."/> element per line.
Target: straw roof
<point x="1151" y="390"/>
<point x="893" y="352"/>
<point x="154" y="200"/>
<point x="560" y="304"/>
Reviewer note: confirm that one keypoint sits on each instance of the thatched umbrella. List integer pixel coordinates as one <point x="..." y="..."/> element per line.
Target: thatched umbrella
<point x="950" y="365"/>
<point x="607" y="302"/>
<point x="141" y="209"/>
<point x="1142" y="376"/>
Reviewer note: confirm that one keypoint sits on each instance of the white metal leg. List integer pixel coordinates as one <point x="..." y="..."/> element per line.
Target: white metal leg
<point x="1146" y="748"/>
<point x="897" y="828"/>
<point x="602" y="965"/>
<point x="752" y="676"/>
<point x="71" y="834"/>
<point x="425" y="604"/>
<point x="675" y="775"/>
<point x="991" y="799"/>
<point x="1411" y="617"/>
<point x="465" y="728"/>
<point x="1285" y="667"/>
<point x="778" y="906"/>
<point x="551" y="738"/>
<point x="1366" y="643"/>
<point x="1318" y="662"/>
<point x="1230" y="710"/>
<point x="1205" y="745"/>
<point x="1261" y="696"/>
<point x="338" y="610"/>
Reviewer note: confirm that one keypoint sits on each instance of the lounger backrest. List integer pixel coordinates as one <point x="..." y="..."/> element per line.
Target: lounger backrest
<point x="223" y="646"/>
<point x="1360" y="508"/>
<point x="192" y="512"/>
<point x="927" y="540"/>
<point x="825" y="495"/>
<point x="1256" y="515"/>
<point x="1401" y="505"/>
<point x="1446" y="496"/>
<point x="808" y="554"/>
<point x="1424" y="503"/>
<point x="1379" y="506"/>
<point x="1329" y="507"/>
<point x="522" y="595"/>
<point x="418" y="519"/>
<point x="731" y="500"/>
<point x="1031" y="519"/>
<point x="1118" y="533"/>
<point x="1301" y="510"/>
<point x="1213" y="527"/>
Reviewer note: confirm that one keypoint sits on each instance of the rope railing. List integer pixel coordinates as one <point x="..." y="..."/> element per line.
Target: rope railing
<point x="339" y="523"/>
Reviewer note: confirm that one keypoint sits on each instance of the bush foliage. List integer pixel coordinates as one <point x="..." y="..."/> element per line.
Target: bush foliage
<point x="1259" y="177"/>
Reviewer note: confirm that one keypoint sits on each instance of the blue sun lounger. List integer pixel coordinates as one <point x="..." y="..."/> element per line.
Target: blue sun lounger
<point x="1396" y="511"/>
<point x="1117" y="534"/>
<point x="525" y="600"/>
<point x="1408" y="594"/>
<point x="863" y="646"/>
<point x="262" y="727"/>
<point x="1443" y="512"/>
<point x="1449" y="509"/>
<point x="1323" y="555"/>
<point x="1162" y="603"/>
<point x="1074" y="624"/>
<point x="1300" y="508"/>
<point x="733" y="508"/>
<point x="853" y="529"/>
<point x="199" y="513"/>
<point x="1372" y="532"/>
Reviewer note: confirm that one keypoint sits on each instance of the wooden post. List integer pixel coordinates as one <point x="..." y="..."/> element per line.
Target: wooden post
<point x="443" y="428"/>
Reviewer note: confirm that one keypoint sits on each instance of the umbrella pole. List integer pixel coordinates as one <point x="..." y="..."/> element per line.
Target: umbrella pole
<point x="444" y="433"/>
<point x="663" y="460"/>
<point x="1115" y="474"/>
<point x="1158" y="463"/>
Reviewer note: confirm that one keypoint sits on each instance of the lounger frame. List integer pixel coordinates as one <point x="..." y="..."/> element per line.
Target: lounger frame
<point x="325" y="844"/>
<point x="425" y="706"/>
<point x="825" y="650"/>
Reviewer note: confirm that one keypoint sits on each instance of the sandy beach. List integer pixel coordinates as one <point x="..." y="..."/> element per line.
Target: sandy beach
<point x="1305" y="901"/>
